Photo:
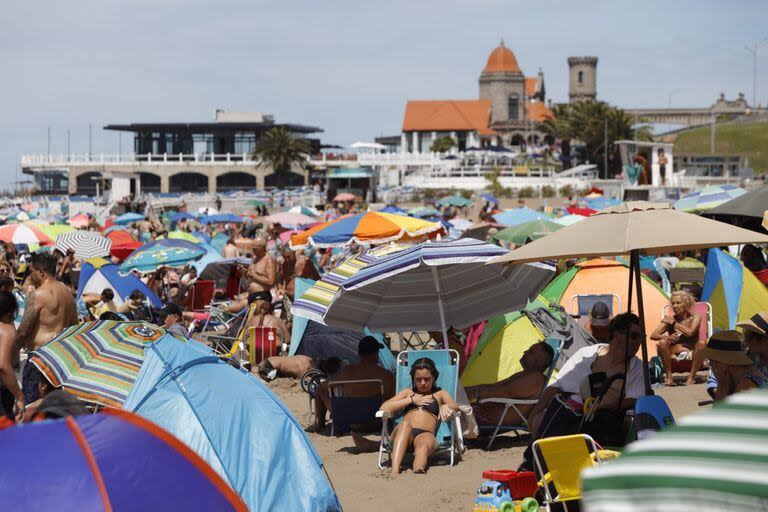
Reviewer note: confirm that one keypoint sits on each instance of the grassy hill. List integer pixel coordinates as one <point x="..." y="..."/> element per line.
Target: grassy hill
<point x="749" y="139"/>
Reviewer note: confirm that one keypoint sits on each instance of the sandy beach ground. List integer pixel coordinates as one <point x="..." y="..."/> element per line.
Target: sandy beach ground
<point x="361" y="486"/>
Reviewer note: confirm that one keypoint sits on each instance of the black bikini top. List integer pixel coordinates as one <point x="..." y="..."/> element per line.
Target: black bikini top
<point x="433" y="407"/>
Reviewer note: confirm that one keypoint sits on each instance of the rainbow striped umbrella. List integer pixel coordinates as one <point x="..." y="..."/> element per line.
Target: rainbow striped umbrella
<point x="708" y="197"/>
<point x="23" y="234"/>
<point x="97" y="361"/>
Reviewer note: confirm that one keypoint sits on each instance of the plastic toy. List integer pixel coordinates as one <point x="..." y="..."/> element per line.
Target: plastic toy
<point x="506" y="491"/>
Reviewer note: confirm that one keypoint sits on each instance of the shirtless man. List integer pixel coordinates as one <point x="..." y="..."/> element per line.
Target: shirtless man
<point x="261" y="275"/>
<point x="230" y="249"/>
<point x="11" y="397"/>
<point x="50" y="309"/>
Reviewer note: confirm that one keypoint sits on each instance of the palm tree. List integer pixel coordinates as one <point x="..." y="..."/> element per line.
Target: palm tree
<point x="281" y="150"/>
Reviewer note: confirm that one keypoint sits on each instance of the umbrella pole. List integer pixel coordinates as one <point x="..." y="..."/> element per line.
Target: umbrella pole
<point x="641" y="314"/>
<point x="440" y="307"/>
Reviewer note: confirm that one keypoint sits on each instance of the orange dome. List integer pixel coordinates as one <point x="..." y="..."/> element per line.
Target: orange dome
<point x="502" y="60"/>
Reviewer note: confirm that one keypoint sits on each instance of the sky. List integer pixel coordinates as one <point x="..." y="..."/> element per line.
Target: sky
<point x="347" y="67"/>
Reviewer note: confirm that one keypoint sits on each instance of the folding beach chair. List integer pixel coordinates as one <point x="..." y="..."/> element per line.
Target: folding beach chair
<point x="201" y="294"/>
<point x="233" y="346"/>
<point x="514" y="403"/>
<point x="558" y="462"/>
<point x="448" y="434"/>
<point x="348" y="409"/>
<point x="581" y="304"/>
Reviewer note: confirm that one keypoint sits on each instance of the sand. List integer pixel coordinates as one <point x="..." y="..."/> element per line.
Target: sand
<point x="361" y="486"/>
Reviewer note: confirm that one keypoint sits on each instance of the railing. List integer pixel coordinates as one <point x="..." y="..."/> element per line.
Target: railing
<point x="44" y="160"/>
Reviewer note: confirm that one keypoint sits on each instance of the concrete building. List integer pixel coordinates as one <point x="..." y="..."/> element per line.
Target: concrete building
<point x="582" y="79"/>
<point x="171" y="157"/>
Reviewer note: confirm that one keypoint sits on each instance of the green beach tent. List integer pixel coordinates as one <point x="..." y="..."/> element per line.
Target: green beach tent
<point x="715" y="459"/>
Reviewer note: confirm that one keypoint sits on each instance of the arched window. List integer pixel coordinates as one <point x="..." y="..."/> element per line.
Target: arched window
<point x="513" y="107"/>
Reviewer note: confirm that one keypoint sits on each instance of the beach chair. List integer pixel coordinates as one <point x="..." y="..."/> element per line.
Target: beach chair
<point x="449" y="437"/>
<point x="347" y="409"/>
<point x="558" y="462"/>
<point x="514" y="403"/>
<point x="261" y="342"/>
<point x="233" y="346"/>
<point x="652" y="414"/>
<point x="581" y="304"/>
<point x="201" y="294"/>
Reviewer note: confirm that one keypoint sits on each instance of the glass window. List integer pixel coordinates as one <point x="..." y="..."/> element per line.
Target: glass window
<point x="581" y="77"/>
<point x="513" y="107"/>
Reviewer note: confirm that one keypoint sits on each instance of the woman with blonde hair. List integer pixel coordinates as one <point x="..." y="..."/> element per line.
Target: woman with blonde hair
<point x="677" y="333"/>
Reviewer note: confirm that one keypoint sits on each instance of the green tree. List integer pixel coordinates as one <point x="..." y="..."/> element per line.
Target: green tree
<point x="443" y="144"/>
<point x="280" y="150"/>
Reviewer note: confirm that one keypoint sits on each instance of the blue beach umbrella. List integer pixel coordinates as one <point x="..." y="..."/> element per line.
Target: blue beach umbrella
<point x="129" y="217"/>
<point x="234" y="422"/>
<point x="221" y="218"/>
<point x="518" y="216"/>
<point x="708" y="197"/>
<point x="393" y="209"/>
<point x="601" y="203"/>
<point x="423" y="211"/>
<point x="180" y="216"/>
<point x="165" y="252"/>
<point x="490" y="199"/>
<point x="453" y="201"/>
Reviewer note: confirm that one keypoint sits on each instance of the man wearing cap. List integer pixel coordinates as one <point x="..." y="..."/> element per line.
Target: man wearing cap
<point x="171" y="315"/>
<point x="366" y="368"/>
<point x="597" y="322"/>
<point x="732" y="368"/>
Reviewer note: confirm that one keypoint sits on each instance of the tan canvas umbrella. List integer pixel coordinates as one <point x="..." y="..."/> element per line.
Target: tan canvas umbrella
<point x="633" y="228"/>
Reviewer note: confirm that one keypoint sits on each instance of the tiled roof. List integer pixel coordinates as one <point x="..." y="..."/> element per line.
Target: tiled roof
<point x="448" y="115"/>
<point x="502" y="60"/>
<point x="539" y="112"/>
<point x="530" y="86"/>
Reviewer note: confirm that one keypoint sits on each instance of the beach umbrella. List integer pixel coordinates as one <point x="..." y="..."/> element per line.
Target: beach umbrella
<point x="86" y="244"/>
<point x="636" y="227"/>
<point x="80" y="220"/>
<point x="21" y="217"/>
<point x="98" y="273"/>
<point x="53" y="230"/>
<point x="11" y="210"/>
<point x="183" y="235"/>
<point x="305" y="210"/>
<point x="453" y="201"/>
<point x="254" y="203"/>
<point x="180" y="216"/>
<point x="527" y="231"/>
<point x="162" y="253"/>
<point x="459" y="224"/>
<point x="290" y="219"/>
<point x="519" y="216"/>
<point x="113" y="460"/>
<point x="489" y="198"/>
<point x="714" y="459"/>
<point x="581" y="210"/>
<point x="393" y="209"/>
<point x="123" y="244"/>
<point x="747" y="210"/>
<point x="221" y="218"/>
<point x="97" y="361"/>
<point x="365" y="228"/>
<point x="114" y="227"/>
<point x="601" y="203"/>
<point x="433" y="286"/>
<point x="212" y="255"/>
<point x="480" y="230"/>
<point x="23" y="234"/>
<point x="345" y="196"/>
<point x="423" y="211"/>
<point x="128" y="218"/>
<point x="708" y="197"/>
<point x="567" y="220"/>
<point x="233" y="421"/>
<point x="222" y="270"/>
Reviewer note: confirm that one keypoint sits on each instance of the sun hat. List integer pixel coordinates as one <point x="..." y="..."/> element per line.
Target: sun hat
<point x="599" y="315"/>
<point x="725" y="347"/>
<point x="756" y="323"/>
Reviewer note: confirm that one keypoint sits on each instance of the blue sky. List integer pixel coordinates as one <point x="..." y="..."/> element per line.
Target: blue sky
<point x="345" y="66"/>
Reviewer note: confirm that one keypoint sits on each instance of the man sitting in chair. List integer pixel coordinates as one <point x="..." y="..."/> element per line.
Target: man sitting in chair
<point x="366" y="368"/>
<point x="523" y="385"/>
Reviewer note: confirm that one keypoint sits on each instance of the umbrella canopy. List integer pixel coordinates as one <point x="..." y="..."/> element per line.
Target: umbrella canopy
<point x="393" y="209"/>
<point x="160" y="253"/>
<point x="519" y="216"/>
<point x="180" y="216"/>
<point x="23" y="234"/>
<point x="222" y="218"/>
<point x="183" y="235"/>
<point x="97" y="361"/>
<point x="581" y="210"/>
<point x="234" y="422"/>
<point x="480" y="230"/>
<point x="453" y="201"/>
<point x="527" y="231"/>
<point x="222" y="271"/>
<point x="114" y="460"/>
<point x="20" y="217"/>
<point x="490" y="199"/>
<point x="714" y="459"/>
<point x="305" y="210"/>
<point x="365" y="228"/>
<point x="601" y="202"/>
<point x="752" y="204"/>
<point x="53" y="230"/>
<point x="433" y="286"/>
<point x="423" y="211"/>
<point x="98" y="274"/>
<point x="86" y="244"/>
<point x="345" y="196"/>
<point x="123" y="244"/>
<point x="128" y="218"/>
<point x="80" y="220"/>
<point x="567" y="220"/>
<point x="290" y="219"/>
<point x="708" y="197"/>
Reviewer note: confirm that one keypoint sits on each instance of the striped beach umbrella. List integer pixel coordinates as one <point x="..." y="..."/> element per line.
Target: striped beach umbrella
<point x="97" y="361"/>
<point x="708" y="197"/>
<point x="715" y="459"/>
<point x="23" y="234"/>
<point x="86" y="244"/>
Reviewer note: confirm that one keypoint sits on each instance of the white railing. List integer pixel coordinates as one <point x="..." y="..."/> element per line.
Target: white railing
<point x="45" y="160"/>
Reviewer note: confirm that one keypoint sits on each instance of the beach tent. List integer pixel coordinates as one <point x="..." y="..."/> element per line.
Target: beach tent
<point x="734" y="292"/>
<point x="98" y="274"/>
<point x="506" y="337"/>
<point x="235" y="423"/>
<point x="212" y="255"/>
<point x="602" y="276"/>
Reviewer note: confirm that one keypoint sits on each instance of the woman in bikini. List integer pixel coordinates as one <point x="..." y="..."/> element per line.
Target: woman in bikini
<point x="423" y="406"/>
<point x="677" y="333"/>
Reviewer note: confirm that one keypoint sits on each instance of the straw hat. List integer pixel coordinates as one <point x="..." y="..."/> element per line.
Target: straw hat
<point x="757" y="323"/>
<point x="725" y="347"/>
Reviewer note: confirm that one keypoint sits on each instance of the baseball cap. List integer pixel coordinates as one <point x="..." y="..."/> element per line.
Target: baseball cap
<point x="756" y="323"/>
<point x="599" y="315"/>
<point x="170" y="309"/>
<point x="368" y="345"/>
